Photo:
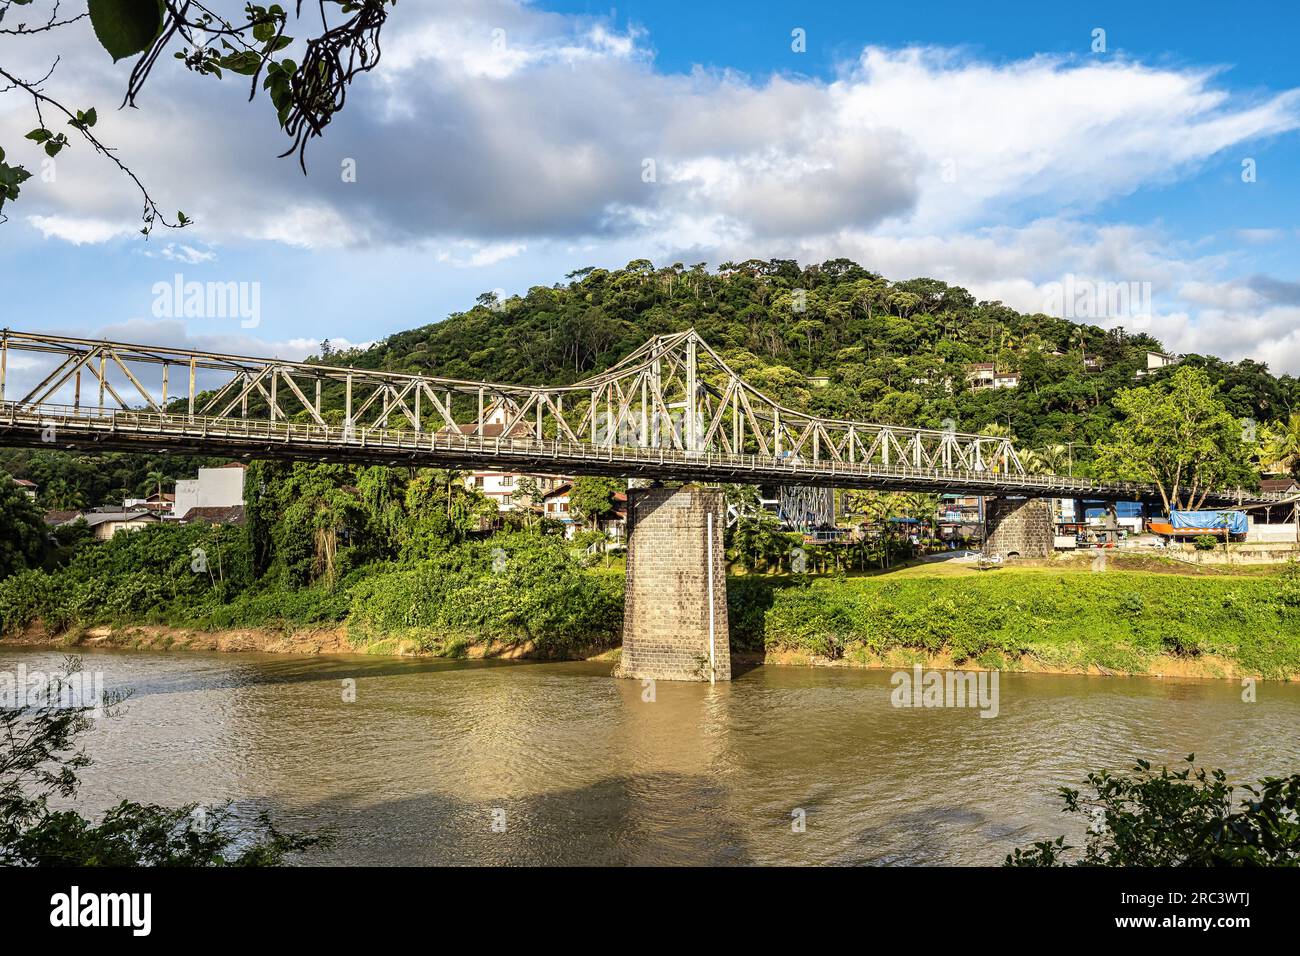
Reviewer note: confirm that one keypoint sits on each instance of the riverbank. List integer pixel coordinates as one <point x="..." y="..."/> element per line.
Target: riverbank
<point x="1057" y="620"/>
<point x="329" y="642"/>
<point x="534" y="595"/>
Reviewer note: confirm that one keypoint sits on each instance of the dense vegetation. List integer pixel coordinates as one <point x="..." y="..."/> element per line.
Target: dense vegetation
<point x="388" y="551"/>
<point x="893" y="352"/>
<point x="530" y="585"/>
<point x="1119" y="620"/>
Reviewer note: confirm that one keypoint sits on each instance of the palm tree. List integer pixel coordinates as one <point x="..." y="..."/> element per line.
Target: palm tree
<point x="156" y="478"/>
<point x="1049" y="460"/>
<point x="1281" y="447"/>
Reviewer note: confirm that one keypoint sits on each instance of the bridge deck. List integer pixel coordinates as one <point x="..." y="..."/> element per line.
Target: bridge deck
<point x="65" y="428"/>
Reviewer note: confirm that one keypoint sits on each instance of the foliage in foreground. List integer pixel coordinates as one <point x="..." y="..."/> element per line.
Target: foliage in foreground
<point x="1178" y="818"/>
<point x="40" y="759"/>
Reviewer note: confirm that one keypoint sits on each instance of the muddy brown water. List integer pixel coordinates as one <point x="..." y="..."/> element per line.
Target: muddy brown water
<point x="558" y="763"/>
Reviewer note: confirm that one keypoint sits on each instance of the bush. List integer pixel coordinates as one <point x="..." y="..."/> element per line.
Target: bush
<point x="515" y="587"/>
<point x="1178" y="818"/>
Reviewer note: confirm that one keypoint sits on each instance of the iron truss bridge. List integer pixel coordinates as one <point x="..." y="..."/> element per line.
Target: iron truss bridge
<point x="671" y="410"/>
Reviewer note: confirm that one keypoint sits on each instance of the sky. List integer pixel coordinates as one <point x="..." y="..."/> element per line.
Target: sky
<point x="1017" y="149"/>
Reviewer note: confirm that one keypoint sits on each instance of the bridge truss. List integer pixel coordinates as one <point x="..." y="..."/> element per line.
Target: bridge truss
<point x="672" y="409"/>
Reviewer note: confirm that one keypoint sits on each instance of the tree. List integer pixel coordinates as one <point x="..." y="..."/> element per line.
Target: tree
<point x="1178" y="435"/>
<point x="1178" y="818"/>
<point x="592" y="498"/>
<point x="305" y="95"/>
<point x="40" y="759"/>
<point x="527" y="498"/>
<point x="156" y="478"/>
<point x="22" y="529"/>
<point x="1280" y="449"/>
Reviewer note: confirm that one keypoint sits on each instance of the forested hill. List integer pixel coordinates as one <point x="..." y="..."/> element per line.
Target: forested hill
<point x="893" y="352"/>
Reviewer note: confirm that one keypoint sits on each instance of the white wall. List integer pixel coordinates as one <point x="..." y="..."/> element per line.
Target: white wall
<point x="214" y="488"/>
<point x="1258" y="531"/>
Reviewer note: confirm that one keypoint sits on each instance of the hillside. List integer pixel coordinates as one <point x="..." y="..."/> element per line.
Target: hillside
<point x="894" y="352"/>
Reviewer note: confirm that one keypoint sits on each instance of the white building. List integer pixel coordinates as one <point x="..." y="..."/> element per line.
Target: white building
<point x="985" y="375"/>
<point x="214" y="488"/>
<point x="555" y="505"/>
<point x="503" y="487"/>
<point x="1157" y="360"/>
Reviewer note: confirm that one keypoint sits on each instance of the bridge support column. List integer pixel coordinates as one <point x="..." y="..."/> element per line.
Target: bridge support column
<point x="675" y="604"/>
<point x="1019" y="527"/>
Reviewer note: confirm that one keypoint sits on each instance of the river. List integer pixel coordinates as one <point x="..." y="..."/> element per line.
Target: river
<point x="433" y="757"/>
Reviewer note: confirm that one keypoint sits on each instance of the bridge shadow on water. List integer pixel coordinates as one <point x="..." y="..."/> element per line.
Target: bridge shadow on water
<point x="657" y="819"/>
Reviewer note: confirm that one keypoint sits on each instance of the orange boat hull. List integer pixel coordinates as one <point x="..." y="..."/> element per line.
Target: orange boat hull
<point x="1167" y="529"/>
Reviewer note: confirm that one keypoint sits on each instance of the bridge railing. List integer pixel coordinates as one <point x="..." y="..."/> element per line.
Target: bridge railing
<point x="789" y="469"/>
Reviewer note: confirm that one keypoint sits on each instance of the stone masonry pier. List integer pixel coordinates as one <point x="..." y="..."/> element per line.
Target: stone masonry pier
<point x="1019" y="527"/>
<point x="671" y="573"/>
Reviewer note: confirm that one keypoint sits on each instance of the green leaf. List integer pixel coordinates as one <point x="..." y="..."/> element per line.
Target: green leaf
<point x="126" y="27"/>
<point x="39" y="135"/>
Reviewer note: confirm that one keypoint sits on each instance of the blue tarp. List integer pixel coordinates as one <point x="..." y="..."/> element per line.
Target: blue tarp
<point x="1234" y="520"/>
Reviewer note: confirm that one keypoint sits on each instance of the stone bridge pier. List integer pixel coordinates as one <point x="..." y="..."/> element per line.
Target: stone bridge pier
<point x="675" y="604"/>
<point x="1019" y="527"/>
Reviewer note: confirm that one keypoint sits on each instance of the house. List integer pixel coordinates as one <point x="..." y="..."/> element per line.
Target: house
<point x="555" y="505"/>
<point x="106" y="522"/>
<point x="503" y="487"/>
<point x="1285" y="486"/>
<point x="983" y="375"/>
<point x="221" y="487"/>
<point x="959" y="517"/>
<point x="1092" y="363"/>
<point x="58" y="518"/>
<point x="163" y="503"/>
<point x="28" y="487"/>
<point x="230" y="514"/>
<point x="494" y="425"/>
<point x="1157" y="360"/>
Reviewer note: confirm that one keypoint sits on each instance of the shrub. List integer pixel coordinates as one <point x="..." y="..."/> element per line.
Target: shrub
<point x="1178" y="818"/>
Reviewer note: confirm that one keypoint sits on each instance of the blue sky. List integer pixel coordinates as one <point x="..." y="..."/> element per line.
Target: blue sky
<point x="502" y="145"/>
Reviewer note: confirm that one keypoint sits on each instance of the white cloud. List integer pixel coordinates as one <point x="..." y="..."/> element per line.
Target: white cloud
<point x="180" y="252"/>
<point x="494" y="131"/>
<point x="481" y="254"/>
<point x="497" y="121"/>
<point x="81" y="231"/>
